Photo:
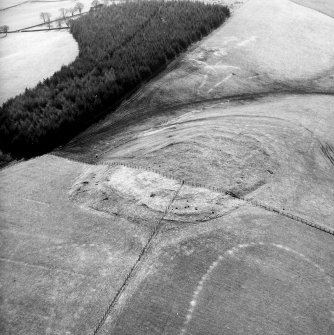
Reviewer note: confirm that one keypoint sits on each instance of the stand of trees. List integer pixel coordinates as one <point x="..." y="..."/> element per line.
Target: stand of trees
<point x="4" y="30"/>
<point x="120" y="46"/>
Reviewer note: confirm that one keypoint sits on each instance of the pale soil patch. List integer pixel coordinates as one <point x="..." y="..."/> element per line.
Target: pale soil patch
<point x="28" y="58"/>
<point x="142" y="196"/>
<point x="137" y="195"/>
<point x="28" y="14"/>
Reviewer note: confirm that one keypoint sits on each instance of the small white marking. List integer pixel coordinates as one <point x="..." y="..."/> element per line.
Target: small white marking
<point x="245" y="42"/>
<point x="204" y="64"/>
<point x="203" y="82"/>
<point x="37" y="202"/>
<point x="225" y="66"/>
<point x="221" y="82"/>
<point x="252" y="77"/>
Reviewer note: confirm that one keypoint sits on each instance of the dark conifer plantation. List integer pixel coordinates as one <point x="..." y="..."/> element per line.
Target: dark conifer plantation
<point x="120" y="46"/>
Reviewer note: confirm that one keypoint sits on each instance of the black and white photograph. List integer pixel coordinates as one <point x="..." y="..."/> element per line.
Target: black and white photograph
<point x="167" y="167"/>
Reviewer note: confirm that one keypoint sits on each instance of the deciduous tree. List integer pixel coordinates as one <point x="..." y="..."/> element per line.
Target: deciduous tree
<point x="68" y="22"/>
<point x="4" y="29"/>
<point x="48" y="20"/>
<point x="79" y="7"/>
<point x="59" y="22"/>
<point x="63" y="12"/>
<point x="72" y="10"/>
<point x="43" y="16"/>
<point x="95" y="3"/>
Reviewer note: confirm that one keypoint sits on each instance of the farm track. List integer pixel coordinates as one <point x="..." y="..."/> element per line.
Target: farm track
<point x="144" y="252"/>
<point x="218" y="190"/>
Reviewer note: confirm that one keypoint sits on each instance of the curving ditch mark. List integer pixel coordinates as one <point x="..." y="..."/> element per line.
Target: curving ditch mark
<point x="231" y="252"/>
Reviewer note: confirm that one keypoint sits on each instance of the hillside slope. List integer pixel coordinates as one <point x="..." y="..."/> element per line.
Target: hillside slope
<point x="203" y="205"/>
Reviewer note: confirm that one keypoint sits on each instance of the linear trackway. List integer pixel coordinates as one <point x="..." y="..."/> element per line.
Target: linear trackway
<point x="138" y="262"/>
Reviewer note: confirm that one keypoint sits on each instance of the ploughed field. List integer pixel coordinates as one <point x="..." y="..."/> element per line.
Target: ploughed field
<point x="203" y="205"/>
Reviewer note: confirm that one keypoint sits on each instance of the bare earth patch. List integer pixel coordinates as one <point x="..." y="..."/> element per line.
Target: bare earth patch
<point x="138" y="196"/>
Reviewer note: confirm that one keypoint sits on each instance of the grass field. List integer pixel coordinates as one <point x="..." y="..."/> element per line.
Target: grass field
<point x="247" y="273"/>
<point x="60" y="265"/>
<point x="323" y="6"/>
<point x="248" y="110"/>
<point x="28" y="13"/>
<point x="28" y="58"/>
<point x="241" y="58"/>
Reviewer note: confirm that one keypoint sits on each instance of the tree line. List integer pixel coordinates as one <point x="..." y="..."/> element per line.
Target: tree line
<point x="119" y="47"/>
<point x="78" y="7"/>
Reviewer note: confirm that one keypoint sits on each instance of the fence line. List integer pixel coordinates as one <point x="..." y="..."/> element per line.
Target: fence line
<point x="159" y="224"/>
<point x="132" y="270"/>
<point x="218" y="190"/>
